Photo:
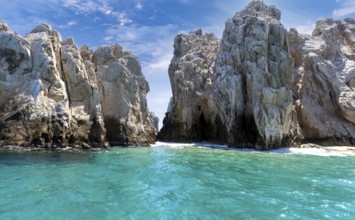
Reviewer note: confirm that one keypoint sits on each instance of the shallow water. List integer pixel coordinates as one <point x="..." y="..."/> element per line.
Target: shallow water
<point x="175" y="182"/>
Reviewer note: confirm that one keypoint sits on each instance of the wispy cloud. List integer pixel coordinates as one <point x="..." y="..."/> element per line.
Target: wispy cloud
<point x="347" y="7"/>
<point x="306" y="28"/>
<point x="139" y="5"/>
<point x="88" y="6"/>
<point x="155" y="43"/>
<point x="98" y="6"/>
<point x="23" y="16"/>
<point x="122" y="17"/>
<point x="68" y="24"/>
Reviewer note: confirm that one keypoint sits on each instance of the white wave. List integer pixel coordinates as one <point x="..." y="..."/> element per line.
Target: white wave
<point x="317" y="151"/>
<point x="183" y="145"/>
<point x="172" y="144"/>
<point x="325" y="151"/>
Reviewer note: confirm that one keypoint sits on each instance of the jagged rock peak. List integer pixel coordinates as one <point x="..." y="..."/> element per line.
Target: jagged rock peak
<point x="3" y="26"/>
<point x="257" y="8"/>
<point x="46" y="28"/>
<point x="194" y="41"/>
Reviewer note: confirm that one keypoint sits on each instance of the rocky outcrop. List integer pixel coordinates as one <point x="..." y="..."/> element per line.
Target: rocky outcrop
<point x="265" y="87"/>
<point x="244" y="97"/>
<point x="253" y="82"/>
<point x="54" y="95"/>
<point x="124" y="102"/>
<point x="190" y="73"/>
<point x="324" y="76"/>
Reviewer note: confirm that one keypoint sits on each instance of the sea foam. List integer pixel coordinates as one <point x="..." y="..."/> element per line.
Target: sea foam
<point x="306" y="149"/>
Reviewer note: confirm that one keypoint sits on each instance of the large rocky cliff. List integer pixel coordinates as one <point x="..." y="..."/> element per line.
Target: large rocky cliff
<point x="53" y="94"/>
<point x="324" y="82"/>
<point x="264" y="87"/>
<point x="190" y="75"/>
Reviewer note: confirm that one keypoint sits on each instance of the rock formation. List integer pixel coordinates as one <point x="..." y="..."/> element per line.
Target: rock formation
<point x="190" y="75"/>
<point x="324" y="82"/>
<point x="246" y="97"/>
<point x="264" y="87"/>
<point x="253" y="69"/>
<point x="54" y="95"/>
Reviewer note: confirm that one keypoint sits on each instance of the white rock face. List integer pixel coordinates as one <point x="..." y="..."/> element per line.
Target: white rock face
<point x="324" y="84"/>
<point x="53" y="95"/>
<point x="265" y="87"/>
<point x="242" y="97"/>
<point x="123" y="100"/>
<point x="253" y="75"/>
<point x="190" y="74"/>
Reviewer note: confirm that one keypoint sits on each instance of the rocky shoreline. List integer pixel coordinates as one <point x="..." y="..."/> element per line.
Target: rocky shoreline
<point x="261" y="86"/>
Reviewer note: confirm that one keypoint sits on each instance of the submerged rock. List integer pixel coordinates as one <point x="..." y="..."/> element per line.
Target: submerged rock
<point x="54" y="95"/>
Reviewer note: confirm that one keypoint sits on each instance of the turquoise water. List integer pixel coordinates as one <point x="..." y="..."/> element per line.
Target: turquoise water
<point x="175" y="183"/>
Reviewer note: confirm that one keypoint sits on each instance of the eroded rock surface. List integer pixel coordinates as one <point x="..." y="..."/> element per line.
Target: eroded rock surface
<point x="253" y="70"/>
<point x="54" y="95"/>
<point x="243" y="96"/>
<point x="190" y="75"/>
<point x="265" y="87"/>
<point x="123" y="100"/>
<point x="324" y="88"/>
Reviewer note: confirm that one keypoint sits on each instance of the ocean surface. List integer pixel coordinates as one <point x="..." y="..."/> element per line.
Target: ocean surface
<point x="173" y="181"/>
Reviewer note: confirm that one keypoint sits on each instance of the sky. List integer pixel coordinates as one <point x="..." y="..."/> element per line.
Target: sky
<point x="148" y="27"/>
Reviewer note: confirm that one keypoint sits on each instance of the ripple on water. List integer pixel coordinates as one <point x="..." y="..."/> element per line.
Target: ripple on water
<point x="184" y="181"/>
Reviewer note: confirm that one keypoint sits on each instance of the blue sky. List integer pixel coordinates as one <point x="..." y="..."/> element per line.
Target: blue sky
<point x="148" y="27"/>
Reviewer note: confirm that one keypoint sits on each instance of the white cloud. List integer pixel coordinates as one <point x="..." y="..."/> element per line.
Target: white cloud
<point x="344" y="11"/>
<point x="102" y="6"/>
<point x="153" y="41"/>
<point x="160" y="63"/>
<point x="347" y="7"/>
<point x="139" y="5"/>
<point x="88" y="6"/>
<point x="122" y="18"/>
<point x="68" y="24"/>
<point x="306" y="28"/>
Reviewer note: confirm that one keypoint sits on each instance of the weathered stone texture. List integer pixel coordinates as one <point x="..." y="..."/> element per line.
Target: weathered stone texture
<point x="324" y="87"/>
<point x="54" y="95"/>
<point x="242" y="97"/>
<point x="264" y="87"/>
